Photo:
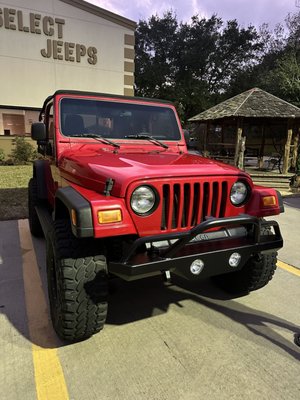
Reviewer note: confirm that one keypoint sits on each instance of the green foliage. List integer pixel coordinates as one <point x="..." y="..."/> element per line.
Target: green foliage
<point x="156" y="53"/>
<point x="278" y="71"/>
<point x="284" y="79"/>
<point x="23" y="151"/>
<point x="201" y="63"/>
<point x="191" y="64"/>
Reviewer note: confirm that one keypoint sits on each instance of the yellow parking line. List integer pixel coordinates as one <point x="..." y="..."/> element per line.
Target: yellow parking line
<point x="49" y="377"/>
<point x="288" y="268"/>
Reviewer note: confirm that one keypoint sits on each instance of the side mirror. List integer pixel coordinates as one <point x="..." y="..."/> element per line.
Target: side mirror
<point x="38" y="131"/>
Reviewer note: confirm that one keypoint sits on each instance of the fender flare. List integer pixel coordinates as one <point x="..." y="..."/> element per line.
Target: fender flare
<point x="280" y="201"/>
<point x="72" y="200"/>
<point x="39" y="172"/>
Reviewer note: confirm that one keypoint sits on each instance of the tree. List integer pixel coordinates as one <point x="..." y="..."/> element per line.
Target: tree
<point x="278" y="71"/>
<point x="192" y="64"/>
<point x="284" y="79"/>
<point x="155" y="55"/>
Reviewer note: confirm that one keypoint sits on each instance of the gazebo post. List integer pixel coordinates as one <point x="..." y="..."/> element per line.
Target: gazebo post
<point x="206" y="139"/>
<point x="222" y="130"/>
<point x="262" y="147"/>
<point x="242" y="152"/>
<point x="295" y="149"/>
<point x="239" y="133"/>
<point x="287" y="148"/>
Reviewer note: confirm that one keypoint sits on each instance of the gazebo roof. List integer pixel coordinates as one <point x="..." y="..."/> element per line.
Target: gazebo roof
<point x="254" y="103"/>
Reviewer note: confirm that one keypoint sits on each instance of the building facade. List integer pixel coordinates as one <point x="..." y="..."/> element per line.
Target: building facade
<point x="48" y="45"/>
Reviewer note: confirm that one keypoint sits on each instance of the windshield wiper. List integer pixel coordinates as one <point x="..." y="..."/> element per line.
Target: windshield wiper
<point x="147" y="137"/>
<point x="97" y="137"/>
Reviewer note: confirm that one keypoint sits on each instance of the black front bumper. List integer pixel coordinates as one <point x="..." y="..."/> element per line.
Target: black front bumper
<point x="243" y="234"/>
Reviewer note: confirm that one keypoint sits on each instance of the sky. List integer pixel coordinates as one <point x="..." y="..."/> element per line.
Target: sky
<point x="254" y="12"/>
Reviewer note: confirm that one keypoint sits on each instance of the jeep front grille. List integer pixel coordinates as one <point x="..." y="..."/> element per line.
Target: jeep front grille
<point x="187" y="204"/>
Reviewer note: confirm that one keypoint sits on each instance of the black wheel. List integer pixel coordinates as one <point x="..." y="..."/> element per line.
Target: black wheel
<point x="256" y="273"/>
<point x="34" y="222"/>
<point x="77" y="284"/>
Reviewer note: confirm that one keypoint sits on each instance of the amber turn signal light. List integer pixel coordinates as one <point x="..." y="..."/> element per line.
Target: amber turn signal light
<point x="269" y="201"/>
<point x="109" y="216"/>
<point x="73" y="217"/>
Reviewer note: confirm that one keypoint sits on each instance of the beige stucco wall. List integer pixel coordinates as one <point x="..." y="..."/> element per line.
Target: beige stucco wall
<point x="27" y="77"/>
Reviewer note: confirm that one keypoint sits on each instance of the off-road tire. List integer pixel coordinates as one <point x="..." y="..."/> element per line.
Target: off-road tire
<point x="34" y="222"/>
<point x="256" y="273"/>
<point x="77" y="284"/>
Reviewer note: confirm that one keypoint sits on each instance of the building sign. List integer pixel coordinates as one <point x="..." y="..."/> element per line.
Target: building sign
<point x="53" y="28"/>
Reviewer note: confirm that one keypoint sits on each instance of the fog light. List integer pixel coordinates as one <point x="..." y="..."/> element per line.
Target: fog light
<point x="196" y="267"/>
<point x="234" y="259"/>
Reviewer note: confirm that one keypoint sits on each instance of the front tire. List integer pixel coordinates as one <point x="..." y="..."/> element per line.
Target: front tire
<point x="77" y="284"/>
<point x="257" y="273"/>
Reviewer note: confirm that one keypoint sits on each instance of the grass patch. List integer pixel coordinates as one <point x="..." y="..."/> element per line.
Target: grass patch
<point x="13" y="191"/>
<point x="15" y="176"/>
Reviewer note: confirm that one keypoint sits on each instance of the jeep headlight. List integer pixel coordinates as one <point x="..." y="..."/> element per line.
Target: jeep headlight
<point x="238" y="193"/>
<point x="143" y="200"/>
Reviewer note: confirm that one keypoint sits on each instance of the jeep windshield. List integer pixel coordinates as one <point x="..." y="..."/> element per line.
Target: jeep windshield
<point x="117" y="120"/>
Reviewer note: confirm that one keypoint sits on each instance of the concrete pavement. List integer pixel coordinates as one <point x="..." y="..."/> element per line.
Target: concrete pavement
<point x="289" y="223"/>
<point x="161" y="341"/>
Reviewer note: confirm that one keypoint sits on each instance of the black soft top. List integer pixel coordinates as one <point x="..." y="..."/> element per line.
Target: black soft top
<point x="95" y="94"/>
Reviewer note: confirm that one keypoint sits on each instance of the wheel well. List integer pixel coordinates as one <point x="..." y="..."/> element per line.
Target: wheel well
<point x="67" y="199"/>
<point x="61" y="211"/>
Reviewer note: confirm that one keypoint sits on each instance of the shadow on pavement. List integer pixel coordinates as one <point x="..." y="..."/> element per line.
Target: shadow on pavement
<point x="13" y="204"/>
<point x="133" y="301"/>
<point x="13" y="298"/>
<point x="292" y="202"/>
<point x="139" y="300"/>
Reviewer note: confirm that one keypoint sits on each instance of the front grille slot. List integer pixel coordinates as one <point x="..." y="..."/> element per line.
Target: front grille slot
<point x="185" y="205"/>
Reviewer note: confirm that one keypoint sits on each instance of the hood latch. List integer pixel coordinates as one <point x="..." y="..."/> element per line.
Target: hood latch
<point x="108" y="186"/>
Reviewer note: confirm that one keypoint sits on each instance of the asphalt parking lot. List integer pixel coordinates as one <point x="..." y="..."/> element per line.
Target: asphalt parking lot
<point x="162" y="340"/>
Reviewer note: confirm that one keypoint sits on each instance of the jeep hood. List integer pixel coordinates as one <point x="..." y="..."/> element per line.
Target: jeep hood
<point x="91" y="169"/>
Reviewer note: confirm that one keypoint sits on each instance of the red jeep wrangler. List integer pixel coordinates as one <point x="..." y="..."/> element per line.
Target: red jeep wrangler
<point x="118" y="194"/>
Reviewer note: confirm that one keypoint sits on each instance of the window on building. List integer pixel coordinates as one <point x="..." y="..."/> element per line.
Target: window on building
<point x="13" y="124"/>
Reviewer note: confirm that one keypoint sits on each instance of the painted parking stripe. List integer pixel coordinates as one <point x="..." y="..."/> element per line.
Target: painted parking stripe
<point x="289" y="268"/>
<point x="49" y="377"/>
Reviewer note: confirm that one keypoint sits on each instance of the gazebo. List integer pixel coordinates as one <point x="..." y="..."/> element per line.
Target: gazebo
<point x="252" y="123"/>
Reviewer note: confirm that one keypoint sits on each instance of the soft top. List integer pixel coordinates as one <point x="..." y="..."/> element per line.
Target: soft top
<point x="96" y="94"/>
